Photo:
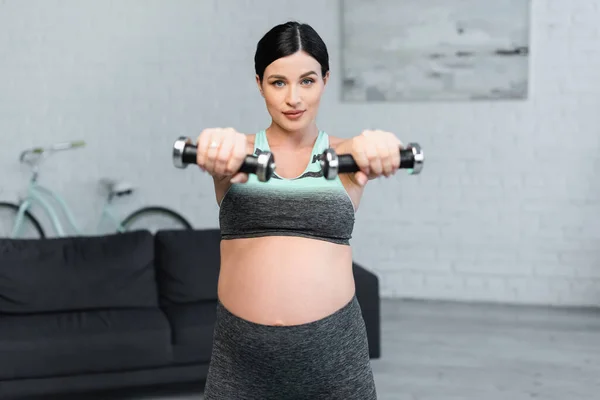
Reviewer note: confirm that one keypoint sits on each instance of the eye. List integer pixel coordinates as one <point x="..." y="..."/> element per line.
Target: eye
<point x="277" y="83"/>
<point x="307" y="81"/>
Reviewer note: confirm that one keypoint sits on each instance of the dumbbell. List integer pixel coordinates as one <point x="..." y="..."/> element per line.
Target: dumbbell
<point x="411" y="158"/>
<point x="262" y="165"/>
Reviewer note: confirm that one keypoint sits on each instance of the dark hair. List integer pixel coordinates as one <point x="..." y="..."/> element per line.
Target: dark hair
<point x="286" y="39"/>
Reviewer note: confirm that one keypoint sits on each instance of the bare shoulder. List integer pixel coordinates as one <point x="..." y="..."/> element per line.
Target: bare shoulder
<point x="355" y="191"/>
<point x="335" y="141"/>
<point x="250" y="139"/>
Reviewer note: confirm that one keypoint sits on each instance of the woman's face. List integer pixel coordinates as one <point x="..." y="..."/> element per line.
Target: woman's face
<point x="292" y="87"/>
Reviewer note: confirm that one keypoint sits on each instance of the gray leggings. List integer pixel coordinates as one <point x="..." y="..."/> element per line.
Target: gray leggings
<point x="324" y="359"/>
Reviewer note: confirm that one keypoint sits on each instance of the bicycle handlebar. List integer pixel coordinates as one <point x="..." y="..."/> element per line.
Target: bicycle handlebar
<point x="55" y="147"/>
<point x="67" y="145"/>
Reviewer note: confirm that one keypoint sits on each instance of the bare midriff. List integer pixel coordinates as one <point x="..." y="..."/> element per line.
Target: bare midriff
<point x="284" y="280"/>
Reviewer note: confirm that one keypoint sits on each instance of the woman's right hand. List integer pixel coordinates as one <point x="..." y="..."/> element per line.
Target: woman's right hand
<point x="221" y="153"/>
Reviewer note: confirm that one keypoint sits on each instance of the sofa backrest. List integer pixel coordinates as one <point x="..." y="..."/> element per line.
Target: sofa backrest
<point x="77" y="273"/>
<point x="188" y="263"/>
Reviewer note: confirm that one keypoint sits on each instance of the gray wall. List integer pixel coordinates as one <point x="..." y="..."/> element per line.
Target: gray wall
<point x="505" y="209"/>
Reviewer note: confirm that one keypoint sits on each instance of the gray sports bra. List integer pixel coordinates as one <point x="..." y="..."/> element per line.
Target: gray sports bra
<point x="306" y="206"/>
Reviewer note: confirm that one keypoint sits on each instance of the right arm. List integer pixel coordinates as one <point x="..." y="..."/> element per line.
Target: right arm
<point x="222" y="185"/>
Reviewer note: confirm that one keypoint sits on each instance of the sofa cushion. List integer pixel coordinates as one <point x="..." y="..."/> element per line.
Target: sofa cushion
<point x="82" y="342"/>
<point x="77" y="273"/>
<point x="188" y="264"/>
<point x="192" y="328"/>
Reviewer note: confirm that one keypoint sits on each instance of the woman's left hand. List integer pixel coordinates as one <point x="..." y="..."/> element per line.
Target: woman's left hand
<point x="376" y="153"/>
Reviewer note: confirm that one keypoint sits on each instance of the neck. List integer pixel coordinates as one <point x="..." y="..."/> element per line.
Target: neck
<point x="279" y="137"/>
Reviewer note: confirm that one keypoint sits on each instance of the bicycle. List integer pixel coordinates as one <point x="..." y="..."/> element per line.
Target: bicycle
<point x="18" y="219"/>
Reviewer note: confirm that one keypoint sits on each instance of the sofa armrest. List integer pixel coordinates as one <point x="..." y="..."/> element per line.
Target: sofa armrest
<point x="367" y="293"/>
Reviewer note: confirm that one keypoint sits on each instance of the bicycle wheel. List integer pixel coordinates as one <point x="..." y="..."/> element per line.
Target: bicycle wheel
<point x="30" y="227"/>
<point x="154" y="219"/>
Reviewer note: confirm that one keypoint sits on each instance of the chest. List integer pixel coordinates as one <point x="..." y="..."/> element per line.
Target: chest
<point x="290" y="164"/>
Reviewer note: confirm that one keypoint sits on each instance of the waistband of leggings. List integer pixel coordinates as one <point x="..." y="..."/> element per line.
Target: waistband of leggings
<point x="224" y="315"/>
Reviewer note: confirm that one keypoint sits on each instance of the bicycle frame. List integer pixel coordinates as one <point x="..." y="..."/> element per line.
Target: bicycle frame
<point x="37" y="194"/>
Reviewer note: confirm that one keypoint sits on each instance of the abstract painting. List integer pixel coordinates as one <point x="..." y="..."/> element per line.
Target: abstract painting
<point x="445" y="50"/>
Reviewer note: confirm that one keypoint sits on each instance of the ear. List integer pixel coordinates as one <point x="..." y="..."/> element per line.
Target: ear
<point x="259" y="86"/>
<point x="326" y="78"/>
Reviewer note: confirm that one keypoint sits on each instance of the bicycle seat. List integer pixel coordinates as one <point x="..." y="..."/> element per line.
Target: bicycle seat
<point x="117" y="188"/>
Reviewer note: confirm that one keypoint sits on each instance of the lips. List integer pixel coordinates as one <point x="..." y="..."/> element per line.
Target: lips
<point x="293" y="115"/>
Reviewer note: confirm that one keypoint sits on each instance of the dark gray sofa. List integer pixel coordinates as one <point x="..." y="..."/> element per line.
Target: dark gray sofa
<point x="81" y="314"/>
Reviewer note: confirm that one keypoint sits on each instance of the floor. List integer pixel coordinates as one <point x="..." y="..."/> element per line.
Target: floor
<point x="449" y="351"/>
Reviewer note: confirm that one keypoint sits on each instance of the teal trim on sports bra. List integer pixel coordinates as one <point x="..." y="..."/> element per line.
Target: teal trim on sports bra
<point x="313" y="167"/>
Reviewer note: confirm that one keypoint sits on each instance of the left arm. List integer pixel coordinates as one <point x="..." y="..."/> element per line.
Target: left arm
<point x="344" y="146"/>
<point x="376" y="153"/>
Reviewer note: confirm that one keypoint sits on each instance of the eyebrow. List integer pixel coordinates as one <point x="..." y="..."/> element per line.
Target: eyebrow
<point x="301" y="76"/>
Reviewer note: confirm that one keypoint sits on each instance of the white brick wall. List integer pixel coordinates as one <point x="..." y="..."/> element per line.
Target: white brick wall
<point x="504" y="210"/>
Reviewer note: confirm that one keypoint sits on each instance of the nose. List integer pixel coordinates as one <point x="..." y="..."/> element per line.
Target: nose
<point x="292" y="97"/>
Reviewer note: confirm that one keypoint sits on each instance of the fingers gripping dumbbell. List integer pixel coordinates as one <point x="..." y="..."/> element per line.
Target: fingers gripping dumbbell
<point x="262" y="165"/>
<point x="411" y="158"/>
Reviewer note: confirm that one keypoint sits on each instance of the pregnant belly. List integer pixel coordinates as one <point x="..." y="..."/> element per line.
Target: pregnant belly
<point x="284" y="280"/>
